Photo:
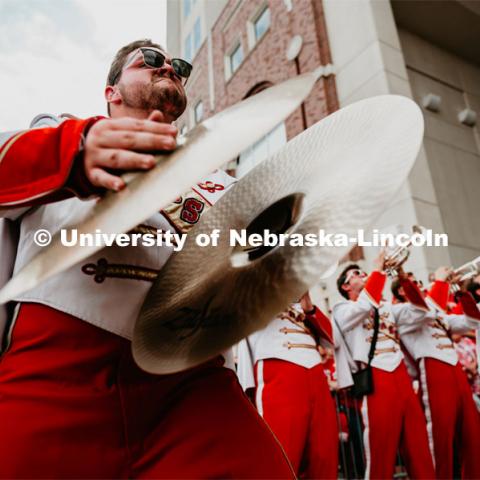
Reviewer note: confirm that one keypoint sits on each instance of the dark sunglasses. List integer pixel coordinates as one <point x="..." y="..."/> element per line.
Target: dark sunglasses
<point x="154" y="59"/>
<point x="353" y="273"/>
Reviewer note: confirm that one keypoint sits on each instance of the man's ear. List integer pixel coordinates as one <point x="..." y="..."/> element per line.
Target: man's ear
<point x="113" y="95"/>
<point x="346" y="288"/>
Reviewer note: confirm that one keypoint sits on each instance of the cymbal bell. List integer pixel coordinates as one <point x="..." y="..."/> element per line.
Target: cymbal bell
<point x="207" y="147"/>
<point x="338" y="175"/>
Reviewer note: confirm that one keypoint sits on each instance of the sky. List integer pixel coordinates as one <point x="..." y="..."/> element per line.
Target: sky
<point x="55" y="54"/>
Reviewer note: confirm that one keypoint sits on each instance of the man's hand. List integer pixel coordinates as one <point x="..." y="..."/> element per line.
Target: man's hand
<point x="400" y="271"/>
<point x="379" y="262"/>
<point x="306" y="302"/>
<point x="443" y="273"/>
<point x="119" y="144"/>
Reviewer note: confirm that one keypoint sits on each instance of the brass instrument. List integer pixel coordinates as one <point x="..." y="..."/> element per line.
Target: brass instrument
<point x="466" y="272"/>
<point x="399" y="255"/>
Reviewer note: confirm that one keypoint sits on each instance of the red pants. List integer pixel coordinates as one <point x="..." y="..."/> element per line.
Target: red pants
<point x="393" y="419"/>
<point x="452" y="419"/>
<point x="297" y="404"/>
<point x="74" y="405"/>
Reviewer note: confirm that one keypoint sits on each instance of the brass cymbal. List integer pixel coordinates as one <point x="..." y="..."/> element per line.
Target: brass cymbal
<point x="209" y="146"/>
<point x="338" y="175"/>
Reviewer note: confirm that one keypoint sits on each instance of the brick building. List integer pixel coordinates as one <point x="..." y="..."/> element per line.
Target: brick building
<point x="245" y="51"/>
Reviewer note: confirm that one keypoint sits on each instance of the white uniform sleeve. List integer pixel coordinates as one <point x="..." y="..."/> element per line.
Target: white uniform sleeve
<point x="245" y="365"/>
<point x="349" y="315"/>
<point x="461" y="323"/>
<point x="344" y="363"/>
<point x="409" y="318"/>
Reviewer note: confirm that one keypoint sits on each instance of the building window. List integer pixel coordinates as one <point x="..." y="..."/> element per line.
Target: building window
<point x="233" y="59"/>
<point x="197" y="36"/>
<point x="236" y="58"/>
<point x="198" y="112"/>
<point x="264" y="148"/>
<point x="187" y="8"/>
<point x="258" y="25"/>
<point x="188" y="48"/>
<point x="261" y="24"/>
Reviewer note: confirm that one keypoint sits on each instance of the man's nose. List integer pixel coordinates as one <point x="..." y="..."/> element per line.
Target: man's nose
<point x="167" y="69"/>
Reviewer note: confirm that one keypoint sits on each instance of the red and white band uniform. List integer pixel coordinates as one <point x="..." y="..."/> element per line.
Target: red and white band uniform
<point x="453" y="423"/>
<point x="72" y="401"/>
<point x="283" y="365"/>
<point x="392" y="415"/>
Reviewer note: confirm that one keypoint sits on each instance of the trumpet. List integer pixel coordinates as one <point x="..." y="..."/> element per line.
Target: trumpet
<point x="466" y="272"/>
<point x="399" y="255"/>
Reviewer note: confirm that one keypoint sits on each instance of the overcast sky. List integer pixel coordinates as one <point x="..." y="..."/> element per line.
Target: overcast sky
<point x="55" y="54"/>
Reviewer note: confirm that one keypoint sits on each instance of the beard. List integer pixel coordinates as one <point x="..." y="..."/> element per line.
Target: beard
<point x="164" y="95"/>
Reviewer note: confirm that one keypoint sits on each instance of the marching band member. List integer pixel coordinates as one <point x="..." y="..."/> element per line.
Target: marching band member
<point x="73" y="404"/>
<point x="283" y="367"/>
<point x="452" y="418"/>
<point x="391" y="412"/>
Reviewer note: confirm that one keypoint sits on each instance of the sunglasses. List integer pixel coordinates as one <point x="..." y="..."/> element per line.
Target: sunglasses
<point x="155" y="59"/>
<point x="353" y="273"/>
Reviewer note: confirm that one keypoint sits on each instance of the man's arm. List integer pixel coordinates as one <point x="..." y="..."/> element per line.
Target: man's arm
<point x="317" y="321"/>
<point x="36" y="165"/>
<point x="49" y="164"/>
<point x="410" y="318"/>
<point x="461" y="323"/>
<point x="351" y="314"/>
<point x="439" y="292"/>
<point x="466" y="321"/>
<point x="413" y="315"/>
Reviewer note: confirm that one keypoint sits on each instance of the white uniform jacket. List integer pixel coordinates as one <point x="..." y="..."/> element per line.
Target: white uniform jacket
<point x="285" y="338"/>
<point x="108" y="288"/>
<point x="431" y="336"/>
<point x="355" y="321"/>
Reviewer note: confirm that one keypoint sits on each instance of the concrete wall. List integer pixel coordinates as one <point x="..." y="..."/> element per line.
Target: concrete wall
<point x="453" y="149"/>
<point x="174" y="28"/>
<point x="369" y="61"/>
<point x="179" y="27"/>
